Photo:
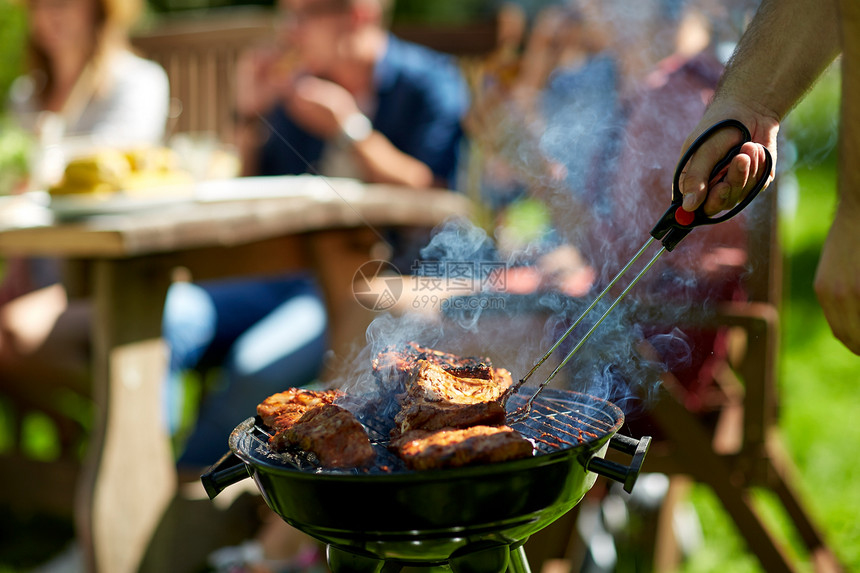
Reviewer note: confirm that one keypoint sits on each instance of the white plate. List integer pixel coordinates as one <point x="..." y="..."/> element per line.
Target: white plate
<point x="67" y="207"/>
<point x="273" y="187"/>
<point x="25" y="210"/>
<point x="82" y="205"/>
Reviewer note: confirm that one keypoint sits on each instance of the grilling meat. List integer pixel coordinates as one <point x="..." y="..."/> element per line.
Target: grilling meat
<point x="310" y="421"/>
<point x="436" y="398"/>
<point x="285" y="408"/>
<point x="449" y="448"/>
<point x="332" y="434"/>
<point x="433" y="383"/>
<point x="396" y="363"/>
<point x="450" y="414"/>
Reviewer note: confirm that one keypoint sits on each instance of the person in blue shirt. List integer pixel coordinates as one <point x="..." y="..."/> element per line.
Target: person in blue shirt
<point x="337" y="96"/>
<point x="356" y="101"/>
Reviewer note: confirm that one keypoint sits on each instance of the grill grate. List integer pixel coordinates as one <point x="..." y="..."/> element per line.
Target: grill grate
<point x="558" y="420"/>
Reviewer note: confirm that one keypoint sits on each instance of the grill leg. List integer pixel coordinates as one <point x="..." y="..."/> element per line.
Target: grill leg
<point x="518" y="562"/>
<point x="492" y="559"/>
<point x="341" y="561"/>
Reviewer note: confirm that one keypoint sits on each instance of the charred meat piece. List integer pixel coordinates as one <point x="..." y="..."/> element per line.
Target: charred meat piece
<point x="310" y="421"/>
<point x="430" y="416"/>
<point x="436" y="398"/>
<point x="431" y="382"/>
<point x="452" y="447"/>
<point x="396" y="363"/>
<point x="291" y="404"/>
<point x="331" y="433"/>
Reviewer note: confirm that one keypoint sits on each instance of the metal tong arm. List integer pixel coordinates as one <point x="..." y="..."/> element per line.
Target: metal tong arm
<point x="670" y="231"/>
<point x="585" y="312"/>
<point x="523" y="411"/>
<point x="675" y="224"/>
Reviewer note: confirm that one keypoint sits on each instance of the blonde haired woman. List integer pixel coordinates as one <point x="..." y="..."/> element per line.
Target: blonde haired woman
<point x="83" y="84"/>
<point x="83" y="72"/>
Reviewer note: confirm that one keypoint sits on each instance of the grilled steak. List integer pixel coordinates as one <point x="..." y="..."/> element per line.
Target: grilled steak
<point x="428" y="416"/>
<point x="291" y="404"/>
<point x="310" y="421"/>
<point x="436" y="398"/>
<point x="448" y="448"/>
<point x="433" y="383"/>
<point x="396" y="363"/>
<point x="331" y="433"/>
<point x="450" y="414"/>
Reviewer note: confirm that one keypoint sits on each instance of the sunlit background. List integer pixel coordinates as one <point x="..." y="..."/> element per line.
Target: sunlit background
<point x="818" y="378"/>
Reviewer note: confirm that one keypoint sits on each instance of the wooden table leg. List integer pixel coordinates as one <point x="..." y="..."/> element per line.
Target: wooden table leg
<point x="129" y="475"/>
<point x="337" y="255"/>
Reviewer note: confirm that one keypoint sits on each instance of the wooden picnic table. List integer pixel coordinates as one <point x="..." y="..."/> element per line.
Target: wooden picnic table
<point x="127" y="255"/>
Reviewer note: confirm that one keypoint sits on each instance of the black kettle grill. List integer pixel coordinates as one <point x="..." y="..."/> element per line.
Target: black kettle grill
<point x="472" y="519"/>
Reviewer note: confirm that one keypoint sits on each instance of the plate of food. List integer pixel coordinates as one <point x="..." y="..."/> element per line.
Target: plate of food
<point x="113" y="181"/>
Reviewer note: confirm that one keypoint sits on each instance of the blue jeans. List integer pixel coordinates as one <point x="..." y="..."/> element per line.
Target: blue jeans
<point x="264" y="336"/>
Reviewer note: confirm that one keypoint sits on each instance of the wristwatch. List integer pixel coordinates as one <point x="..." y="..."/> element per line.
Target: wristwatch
<point x="355" y="129"/>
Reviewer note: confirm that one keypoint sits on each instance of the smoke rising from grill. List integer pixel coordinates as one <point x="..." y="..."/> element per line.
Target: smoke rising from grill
<point x="600" y="156"/>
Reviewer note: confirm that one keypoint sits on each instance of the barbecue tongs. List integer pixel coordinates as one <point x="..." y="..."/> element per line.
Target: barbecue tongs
<point x="673" y="226"/>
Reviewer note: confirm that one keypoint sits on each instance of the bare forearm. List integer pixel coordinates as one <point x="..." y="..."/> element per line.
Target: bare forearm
<point x="382" y="162"/>
<point x="787" y="46"/>
<point x="849" y="149"/>
<point x="837" y="278"/>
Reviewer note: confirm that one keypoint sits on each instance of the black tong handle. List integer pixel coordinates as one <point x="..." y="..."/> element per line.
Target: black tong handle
<point x="669" y="230"/>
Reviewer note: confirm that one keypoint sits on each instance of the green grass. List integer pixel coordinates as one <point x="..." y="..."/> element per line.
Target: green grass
<point x="818" y="377"/>
<point x="819" y="399"/>
<point x="820" y="395"/>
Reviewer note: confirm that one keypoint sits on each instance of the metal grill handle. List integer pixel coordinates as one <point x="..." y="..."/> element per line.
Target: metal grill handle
<point x="223" y="473"/>
<point x="626" y="475"/>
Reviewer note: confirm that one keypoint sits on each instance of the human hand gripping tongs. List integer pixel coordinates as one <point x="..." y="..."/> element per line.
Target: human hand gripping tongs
<point x="675" y="224"/>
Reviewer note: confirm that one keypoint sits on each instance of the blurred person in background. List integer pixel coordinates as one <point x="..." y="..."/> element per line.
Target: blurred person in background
<point x="84" y="88"/>
<point x="338" y="95"/>
<point x="616" y="129"/>
<point x="604" y="98"/>
<point x="787" y="46"/>
<point x="537" y="118"/>
<point x="674" y="91"/>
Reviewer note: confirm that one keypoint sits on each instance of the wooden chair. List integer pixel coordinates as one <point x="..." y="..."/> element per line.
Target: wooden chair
<point x="731" y="444"/>
<point x="200" y="56"/>
<point x="735" y="447"/>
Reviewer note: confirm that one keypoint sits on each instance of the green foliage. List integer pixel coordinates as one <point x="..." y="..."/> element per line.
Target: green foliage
<point x="819" y="378"/>
<point x="13" y="143"/>
<point x="12" y="36"/>
<point x="14" y="150"/>
<point x="39" y="437"/>
<point x="813" y="126"/>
